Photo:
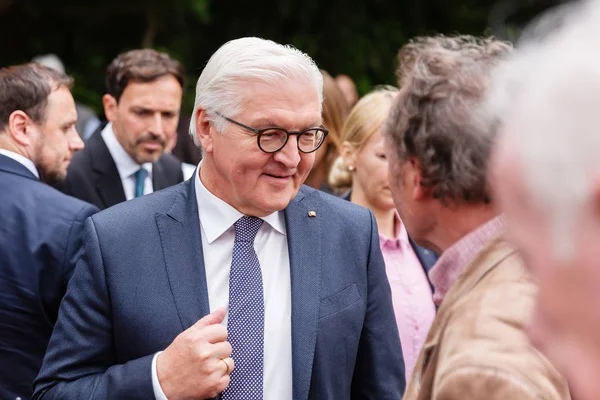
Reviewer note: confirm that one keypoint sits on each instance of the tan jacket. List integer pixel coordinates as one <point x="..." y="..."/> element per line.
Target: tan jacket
<point x="477" y="348"/>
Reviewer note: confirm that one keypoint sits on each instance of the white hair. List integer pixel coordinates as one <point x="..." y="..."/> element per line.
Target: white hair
<point x="219" y="88"/>
<point x="50" y="61"/>
<point x="546" y="100"/>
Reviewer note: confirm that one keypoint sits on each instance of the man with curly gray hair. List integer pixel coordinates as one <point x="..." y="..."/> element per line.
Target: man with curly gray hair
<point x="477" y="347"/>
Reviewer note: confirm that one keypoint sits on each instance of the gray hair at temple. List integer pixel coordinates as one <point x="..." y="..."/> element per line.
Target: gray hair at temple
<point x="544" y="101"/>
<point x="240" y="61"/>
<point x="443" y="80"/>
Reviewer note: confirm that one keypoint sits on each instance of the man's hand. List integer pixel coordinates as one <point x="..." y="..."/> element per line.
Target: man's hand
<point x="197" y="364"/>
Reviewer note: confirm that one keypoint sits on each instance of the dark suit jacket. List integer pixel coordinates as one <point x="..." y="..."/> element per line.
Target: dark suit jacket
<point x="40" y="241"/>
<point x="185" y="149"/>
<point x="93" y="174"/>
<point x="142" y="281"/>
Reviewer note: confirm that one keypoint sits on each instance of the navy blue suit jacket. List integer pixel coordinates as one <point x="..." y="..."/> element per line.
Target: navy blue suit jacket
<point x="142" y="281"/>
<point x="40" y="241"/>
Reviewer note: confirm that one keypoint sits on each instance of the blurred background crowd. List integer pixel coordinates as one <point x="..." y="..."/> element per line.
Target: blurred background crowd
<point x="358" y="38"/>
<point x="415" y="96"/>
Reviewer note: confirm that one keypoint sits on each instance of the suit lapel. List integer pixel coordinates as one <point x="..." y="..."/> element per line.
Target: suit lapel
<point x="179" y="231"/>
<point x="305" y="251"/>
<point x="426" y="257"/>
<point x="108" y="182"/>
<point x="110" y="190"/>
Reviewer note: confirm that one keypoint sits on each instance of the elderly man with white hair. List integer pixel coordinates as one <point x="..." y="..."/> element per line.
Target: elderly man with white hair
<point x="546" y="175"/>
<point x="239" y="283"/>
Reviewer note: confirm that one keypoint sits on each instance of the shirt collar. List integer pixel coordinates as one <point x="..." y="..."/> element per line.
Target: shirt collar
<point x="456" y="258"/>
<point x="216" y="216"/>
<point x="401" y="239"/>
<point x="125" y="164"/>
<point x="24" y="161"/>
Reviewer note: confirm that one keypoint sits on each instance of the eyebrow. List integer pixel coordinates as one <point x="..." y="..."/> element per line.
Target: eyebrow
<point x="266" y="123"/>
<point x="68" y="123"/>
<point x="144" y="108"/>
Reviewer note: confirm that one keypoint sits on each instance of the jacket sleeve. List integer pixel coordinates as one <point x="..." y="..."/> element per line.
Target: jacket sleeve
<point x="80" y="362"/>
<point x="74" y="247"/>
<point x="379" y="371"/>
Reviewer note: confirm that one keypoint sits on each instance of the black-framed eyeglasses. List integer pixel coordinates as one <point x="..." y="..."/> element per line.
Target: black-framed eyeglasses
<point x="272" y="139"/>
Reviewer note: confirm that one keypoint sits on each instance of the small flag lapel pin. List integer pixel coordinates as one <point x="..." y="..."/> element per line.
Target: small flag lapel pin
<point x="312" y="213"/>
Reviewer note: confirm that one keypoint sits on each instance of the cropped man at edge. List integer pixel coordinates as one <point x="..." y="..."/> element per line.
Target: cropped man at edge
<point x="40" y="228"/>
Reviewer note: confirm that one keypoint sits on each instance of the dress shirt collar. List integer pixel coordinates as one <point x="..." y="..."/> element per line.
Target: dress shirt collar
<point x="457" y="257"/>
<point x="24" y="161"/>
<point x="126" y="165"/>
<point x="400" y="241"/>
<point x="216" y="216"/>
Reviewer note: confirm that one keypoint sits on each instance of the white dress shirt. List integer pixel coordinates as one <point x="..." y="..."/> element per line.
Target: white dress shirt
<point x="218" y="234"/>
<point x="188" y="170"/>
<point x="126" y="166"/>
<point x="24" y="161"/>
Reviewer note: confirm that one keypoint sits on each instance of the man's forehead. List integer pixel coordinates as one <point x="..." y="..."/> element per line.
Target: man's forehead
<point x="289" y="100"/>
<point x="151" y="100"/>
<point x="160" y="86"/>
<point x="60" y="109"/>
<point x="63" y="99"/>
<point x="274" y="115"/>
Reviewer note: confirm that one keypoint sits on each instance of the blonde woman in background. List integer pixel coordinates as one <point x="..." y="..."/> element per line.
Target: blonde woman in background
<point x="335" y="110"/>
<point x="362" y="171"/>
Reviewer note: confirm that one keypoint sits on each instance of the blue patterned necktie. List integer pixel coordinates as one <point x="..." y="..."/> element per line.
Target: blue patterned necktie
<point x="140" y="180"/>
<point x="246" y="321"/>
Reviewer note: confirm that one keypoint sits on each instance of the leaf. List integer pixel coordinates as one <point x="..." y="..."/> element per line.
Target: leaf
<point x="201" y="9"/>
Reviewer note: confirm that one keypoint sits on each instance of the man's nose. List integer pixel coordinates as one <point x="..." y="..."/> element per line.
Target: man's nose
<point x="75" y="142"/>
<point x="289" y="155"/>
<point x="156" y="124"/>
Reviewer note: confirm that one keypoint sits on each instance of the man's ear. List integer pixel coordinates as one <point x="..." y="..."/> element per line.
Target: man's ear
<point x="204" y="130"/>
<point x="415" y="171"/>
<point x="110" y="107"/>
<point x="20" y="128"/>
<point x="348" y="153"/>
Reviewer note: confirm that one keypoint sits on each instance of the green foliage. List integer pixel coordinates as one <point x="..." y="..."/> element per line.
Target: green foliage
<point x="357" y="37"/>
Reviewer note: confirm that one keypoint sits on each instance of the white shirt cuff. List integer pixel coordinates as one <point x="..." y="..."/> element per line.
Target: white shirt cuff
<point x="158" y="393"/>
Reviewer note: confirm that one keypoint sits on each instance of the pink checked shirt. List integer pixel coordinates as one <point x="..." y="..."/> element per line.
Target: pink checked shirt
<point x="411" y="294"/>
<point x="456" y="258"/>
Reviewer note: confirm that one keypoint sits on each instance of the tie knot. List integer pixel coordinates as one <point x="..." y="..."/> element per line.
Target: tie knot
<point x="141" y="174"/>
<point x="246" y="228"/>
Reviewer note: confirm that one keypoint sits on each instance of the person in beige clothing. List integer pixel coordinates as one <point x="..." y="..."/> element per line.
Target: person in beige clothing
<point x="477" y="347"/>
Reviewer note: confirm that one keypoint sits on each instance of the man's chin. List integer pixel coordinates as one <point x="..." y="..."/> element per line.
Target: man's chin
<point x="143" y="156"/>
<point x="277" y="201"/>
<point x="281" y="201"/>
<point x="146" y="158"/>
<point x="52" y="178"/>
